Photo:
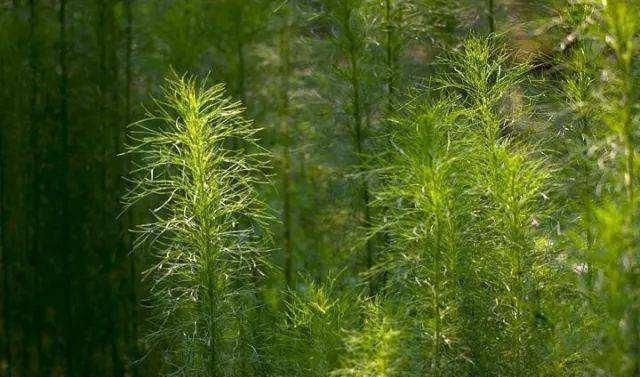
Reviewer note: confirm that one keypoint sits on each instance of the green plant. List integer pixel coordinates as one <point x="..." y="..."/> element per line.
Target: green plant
<point x="310" y="337"/>
<point x="512" y="268"/>
<point x="206" y="227"/>
<point x="425" y="202"/>
<point x="350" y="40"/>
<point x="378" y="349"/>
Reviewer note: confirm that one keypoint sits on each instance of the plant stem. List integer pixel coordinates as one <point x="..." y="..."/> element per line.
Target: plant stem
<point x="629" y="181"/>
<point x="285" y="72"/>
<point x="240" y="79"/>
<point x="437" y="281"/>
<point x="389" y="58"/>
<point x="133" y="274"/>
<point x="491" y="16"/>
<point x="34" y="194"/>
<point x="4" y="254"/>
<point x="70" y="331"/>
<point x="354" y="77"/>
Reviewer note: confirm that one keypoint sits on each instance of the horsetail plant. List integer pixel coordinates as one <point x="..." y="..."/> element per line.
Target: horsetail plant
<point x="512" y="262"/>
<point x="426" y="201"/>
<point x="204" y="236"/>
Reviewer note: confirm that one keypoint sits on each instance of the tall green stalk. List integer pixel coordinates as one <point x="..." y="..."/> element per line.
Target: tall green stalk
<point x="4" y="252"/>
<point x="426" y="201"/>
<point x="34" y="192"/>
<point x="350" y="39"/>
<point x="238" y="21"/>
<point x="284" y="113"/>
<point x="400" y="21"/>
<point x="70" y="330"/>
<point x="391" y="58"/>
<point x="491" y="16"/>
<point x="203" y="234"/>
<point x="129" y="219"/>
<point x="5" y="270"/>
<point x="509" y="178"/>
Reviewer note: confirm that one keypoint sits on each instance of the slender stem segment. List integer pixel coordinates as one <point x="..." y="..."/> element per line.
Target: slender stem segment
<point x="285" y="72"/>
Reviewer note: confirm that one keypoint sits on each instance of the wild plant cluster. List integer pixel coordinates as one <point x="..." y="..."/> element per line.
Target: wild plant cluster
<point x="486" y="245"/>
<point x="364" y="188"/>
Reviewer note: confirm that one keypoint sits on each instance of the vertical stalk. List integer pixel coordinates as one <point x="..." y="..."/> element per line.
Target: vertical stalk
<point x="3" y="263"/>
<point x="197" y="155"/>
<point x="240" y="79"/>
<point x="99" y="224"/>
<point x="104" y="243"/>
<point x="64" y="213"/>
<point x="211" y="286"/>
<point x="390" y="62"/>
<point x="102" y="119"/>
<point x="285" y="72"/>
<point x="359" y="139"/>
<point x="237" y="15"/>
<point x="4" y="254"/>
<point x="517" y="279"/>
<point x="357" y="115"/>
<point x="133" y="274"/>
<point x="33" y="130"/>
<point x="213" y="370"/>
<point x="34" y="178"/>
<point x="128" y="14"/>
<point x="112" y="170"/>
<point x="435" y="365"/>
<point x="491" y="16"/>
<point x="393" y="21"/>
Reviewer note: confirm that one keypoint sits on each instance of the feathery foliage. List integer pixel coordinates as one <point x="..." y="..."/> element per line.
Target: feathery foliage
<point x="470" y="266"/>
<point x="425" y="204"/>
<point x="310" y="340"/>
<point x="377" y="349"/>
<point x="204" y="230"/>
<point x="469" y="166"/>
<point x="512" y="261"/>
